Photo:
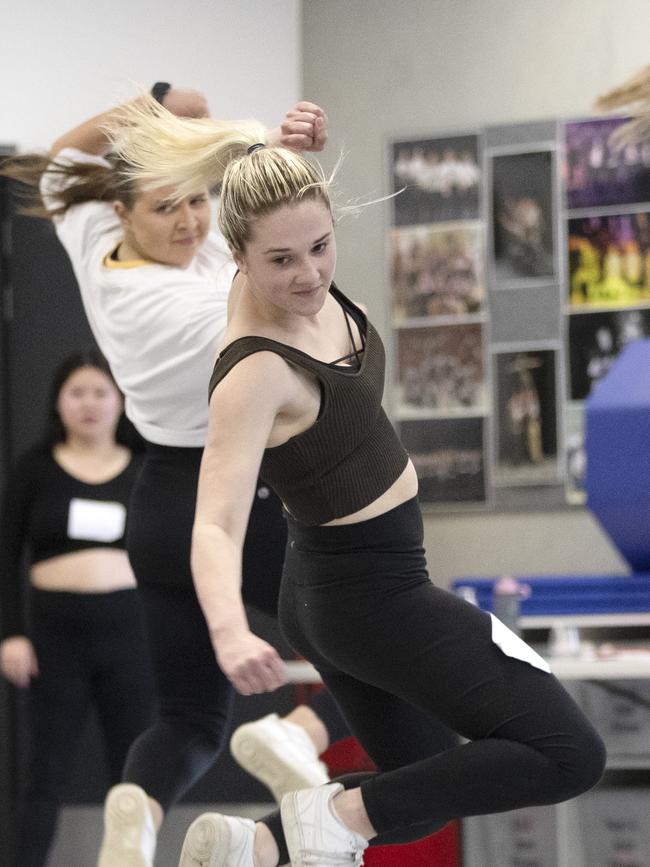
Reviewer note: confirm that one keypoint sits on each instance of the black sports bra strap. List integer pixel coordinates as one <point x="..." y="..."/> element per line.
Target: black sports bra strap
<point x="356" y="353"/>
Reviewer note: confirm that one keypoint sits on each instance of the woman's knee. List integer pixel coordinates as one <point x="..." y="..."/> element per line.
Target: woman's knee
<point x="587" y="766"/>
<point x="186" y="722"/>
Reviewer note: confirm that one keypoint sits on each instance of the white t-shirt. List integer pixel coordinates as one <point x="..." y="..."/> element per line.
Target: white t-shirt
<point x="159" y="326"/>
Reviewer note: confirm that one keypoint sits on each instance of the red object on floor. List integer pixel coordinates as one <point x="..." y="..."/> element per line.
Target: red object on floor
<point x="346" y="756"/>
<point x="438" y="850"/>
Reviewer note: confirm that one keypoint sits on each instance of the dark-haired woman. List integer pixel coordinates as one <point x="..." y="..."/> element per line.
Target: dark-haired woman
<point x="65" y="507"/>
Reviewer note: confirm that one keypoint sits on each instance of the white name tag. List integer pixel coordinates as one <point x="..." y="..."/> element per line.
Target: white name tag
<point x="513" y="646"/>
<point x="96" y="520"/>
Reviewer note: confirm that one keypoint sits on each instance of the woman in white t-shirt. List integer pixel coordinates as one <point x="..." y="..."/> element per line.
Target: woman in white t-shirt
<point x="154" y="282"/>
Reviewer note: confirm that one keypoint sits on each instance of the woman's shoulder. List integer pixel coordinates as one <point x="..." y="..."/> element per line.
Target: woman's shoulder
<point x="253" y="354"/>
<point x="250" y="361"/>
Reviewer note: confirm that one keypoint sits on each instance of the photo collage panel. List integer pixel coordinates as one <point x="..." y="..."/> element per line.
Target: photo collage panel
<point x="540" y="234"/>
<point x="607" y="300"/>
<point x="439" y="311"/>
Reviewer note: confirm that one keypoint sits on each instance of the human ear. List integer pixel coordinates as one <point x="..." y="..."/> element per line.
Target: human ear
<point x="122" y="212"/>
<point x="240" y="260"/>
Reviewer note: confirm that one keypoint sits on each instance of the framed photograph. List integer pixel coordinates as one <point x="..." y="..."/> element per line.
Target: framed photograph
<point x="526" y="418"/>
<point x="439" y="179"/>
<point x="609" y="260"/>
<point x="437" y="270"/>
<point x="440" y="371"/>
<point x="523" y="216"/>
<point x="595" y="340"/>
<point x="448" y="456"/>
<point x="576" y="455"/>
<point x="597" y="174"/>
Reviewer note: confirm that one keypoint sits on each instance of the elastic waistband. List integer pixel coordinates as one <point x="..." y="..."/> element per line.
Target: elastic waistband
<point x="74" y="596"/>
<point x="188" y="452"/>
<point x="392" y="530"/>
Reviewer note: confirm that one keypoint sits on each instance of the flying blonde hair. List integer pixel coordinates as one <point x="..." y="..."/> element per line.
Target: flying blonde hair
<point x="633" y="98"/>
<point x="158" y="149"/>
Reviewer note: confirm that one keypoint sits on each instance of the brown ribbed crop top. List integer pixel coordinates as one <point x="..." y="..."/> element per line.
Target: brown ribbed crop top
<point x="351" y="455"/>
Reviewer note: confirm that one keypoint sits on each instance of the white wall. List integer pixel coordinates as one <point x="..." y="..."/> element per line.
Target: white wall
<point x="64" y="61"/>
<point x="381" y="69"/>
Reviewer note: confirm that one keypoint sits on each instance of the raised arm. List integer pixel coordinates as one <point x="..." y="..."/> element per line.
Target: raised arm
<point x="195" y="153"/>
<point x="91" y="137"/>
<point x="243" y="411"/>
<point x="304" y="128"/>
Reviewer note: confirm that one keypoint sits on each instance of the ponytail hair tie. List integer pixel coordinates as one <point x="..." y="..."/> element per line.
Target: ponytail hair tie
<point x="255" y="147"/>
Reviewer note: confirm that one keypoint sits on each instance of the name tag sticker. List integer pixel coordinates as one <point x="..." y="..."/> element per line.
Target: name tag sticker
<point x="96" y="520"/>
<point x="513" y="646"/>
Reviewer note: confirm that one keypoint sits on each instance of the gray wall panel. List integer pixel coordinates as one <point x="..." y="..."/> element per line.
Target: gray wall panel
<point x="520" y="134"/>
<point x="525" y="314"/>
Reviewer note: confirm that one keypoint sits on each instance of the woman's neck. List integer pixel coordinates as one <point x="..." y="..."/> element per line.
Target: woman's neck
<point x="98" y="447"/>
<point x="126" y="252"/>
<point x="92" y="461"/>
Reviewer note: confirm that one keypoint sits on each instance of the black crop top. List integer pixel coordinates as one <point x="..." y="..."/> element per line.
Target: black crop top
<point x="47" y="512"/>
<point x="351" y="455"/>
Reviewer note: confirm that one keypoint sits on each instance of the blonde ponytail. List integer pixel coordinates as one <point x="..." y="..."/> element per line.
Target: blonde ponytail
<point x="157" y="148"/>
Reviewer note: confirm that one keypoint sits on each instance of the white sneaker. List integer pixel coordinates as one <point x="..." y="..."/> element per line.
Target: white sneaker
<point x="314" y="834"/>
<point x="129" y="832"/>
<point x="278" y="753"/>
<point x="214" y="840"/>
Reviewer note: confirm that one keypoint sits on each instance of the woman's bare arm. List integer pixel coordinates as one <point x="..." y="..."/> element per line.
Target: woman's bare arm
<point x="243" y="411"/>
<point x="91" y="138"/>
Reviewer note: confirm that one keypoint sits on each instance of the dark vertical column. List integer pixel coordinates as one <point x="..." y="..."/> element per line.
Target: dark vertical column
<point x="41" y="321"/>
<point x="8" y="748"/>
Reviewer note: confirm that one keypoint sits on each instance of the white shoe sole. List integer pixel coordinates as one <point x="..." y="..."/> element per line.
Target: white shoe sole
<point x="257" y="757"/>
<point x="206" y="843"/>
<point x="125" y="815"/>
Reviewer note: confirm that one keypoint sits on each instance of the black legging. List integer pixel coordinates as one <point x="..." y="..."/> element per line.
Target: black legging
<point x="405" y="656"/>
<point x="89" y="648"/>
<point x="195" y="699"/>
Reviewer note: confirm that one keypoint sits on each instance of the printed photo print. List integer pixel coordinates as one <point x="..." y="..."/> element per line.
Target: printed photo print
<point x="522" y="216"/>
<point x="437" y="270"/>
<point x="526" y="417"/>
<point x="448" y="457"/>
<point x="440" y="370"/>
<point x="439" y="180"/>
<point x="598" y="174"/>
<point x="609" y="261"/>
<point x="595" y="340"/>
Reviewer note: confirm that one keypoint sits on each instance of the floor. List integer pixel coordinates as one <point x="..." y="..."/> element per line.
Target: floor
<point x="80" y="831"/>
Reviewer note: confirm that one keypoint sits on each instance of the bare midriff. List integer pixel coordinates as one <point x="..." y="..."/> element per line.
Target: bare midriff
<point x="94" y="570"/>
